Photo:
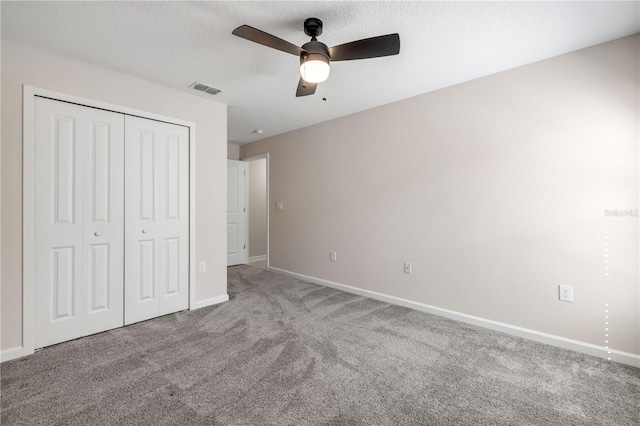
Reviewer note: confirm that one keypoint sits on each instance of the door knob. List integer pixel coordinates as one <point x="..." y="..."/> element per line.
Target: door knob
<point x="97" y="233"/>
<point x="144" y="231"/>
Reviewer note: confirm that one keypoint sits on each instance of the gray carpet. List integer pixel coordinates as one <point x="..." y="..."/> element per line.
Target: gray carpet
<point x="286" y="352"/>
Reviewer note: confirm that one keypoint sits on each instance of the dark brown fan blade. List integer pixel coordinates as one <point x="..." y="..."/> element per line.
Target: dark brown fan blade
<point x="265" y="39"/>
<point x="374" y="47"/>
<point x="305" y="89"/>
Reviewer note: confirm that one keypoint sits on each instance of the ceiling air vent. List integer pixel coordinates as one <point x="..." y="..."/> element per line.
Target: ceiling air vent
<point x="205" y="88"/>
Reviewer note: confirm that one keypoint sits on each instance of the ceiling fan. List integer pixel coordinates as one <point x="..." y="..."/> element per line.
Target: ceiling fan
<point x="316" y="56"/>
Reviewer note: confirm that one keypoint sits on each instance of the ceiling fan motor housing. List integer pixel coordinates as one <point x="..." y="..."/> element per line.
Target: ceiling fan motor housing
<point x="312" y="50"/>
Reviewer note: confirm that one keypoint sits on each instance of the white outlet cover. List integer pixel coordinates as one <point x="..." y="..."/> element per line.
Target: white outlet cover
<point x="565" y="293"/>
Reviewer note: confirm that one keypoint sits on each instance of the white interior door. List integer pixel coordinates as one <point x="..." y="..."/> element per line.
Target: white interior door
<point x="236" y="212"/>
<point x="156" y="219"/>
<point x="78" y="221"/>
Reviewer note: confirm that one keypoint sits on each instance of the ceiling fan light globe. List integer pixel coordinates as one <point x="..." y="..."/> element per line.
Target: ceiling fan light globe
<point x="314" y="69"/>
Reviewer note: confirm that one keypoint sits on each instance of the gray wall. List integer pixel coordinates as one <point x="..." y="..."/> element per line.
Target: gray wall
<point x="495" y="190"/>
<point x="233" y="152"/>
<point x="25" y="65"/>
<point x="258" y="208"/>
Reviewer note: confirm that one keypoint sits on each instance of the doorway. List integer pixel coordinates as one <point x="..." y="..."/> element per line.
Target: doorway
<point x="236" y="212"/>
<point x="258" y="210"/>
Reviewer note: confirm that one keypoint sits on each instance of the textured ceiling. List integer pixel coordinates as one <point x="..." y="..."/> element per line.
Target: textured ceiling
<point x="442" y="43"/>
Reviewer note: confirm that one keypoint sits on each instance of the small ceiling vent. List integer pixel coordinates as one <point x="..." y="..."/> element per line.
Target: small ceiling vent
<point x="205" y="88"/>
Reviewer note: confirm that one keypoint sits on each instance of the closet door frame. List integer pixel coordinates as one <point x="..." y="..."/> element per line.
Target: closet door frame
<point x="29" y="94"/>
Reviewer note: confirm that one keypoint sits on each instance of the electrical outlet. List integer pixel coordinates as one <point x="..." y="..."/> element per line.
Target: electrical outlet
<point x="202" y="267"/>
<point x="565" y="293"/>
<point x="408" y="268"/>
<point x="333" y="256"/>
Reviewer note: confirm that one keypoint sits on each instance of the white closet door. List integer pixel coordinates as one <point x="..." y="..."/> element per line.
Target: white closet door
<point x="236" y="212"/>
<point x="78" y="221"/>
<point x="156" y="219"/>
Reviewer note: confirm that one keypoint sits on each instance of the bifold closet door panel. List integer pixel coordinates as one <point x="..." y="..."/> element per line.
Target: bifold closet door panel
<point x="79" y="213"/>
<point x="156" y="219"/>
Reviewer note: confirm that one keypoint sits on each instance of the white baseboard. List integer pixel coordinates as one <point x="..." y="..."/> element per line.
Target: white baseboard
<point x="549" y="339"/>
<point x="211" y="301"/>
<point x="13" y="353"/>
<point x="257" y="258"/>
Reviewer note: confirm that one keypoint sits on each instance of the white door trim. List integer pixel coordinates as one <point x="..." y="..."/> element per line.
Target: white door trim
<point x="252" y="158"/>
<point x="28" y="202"/>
